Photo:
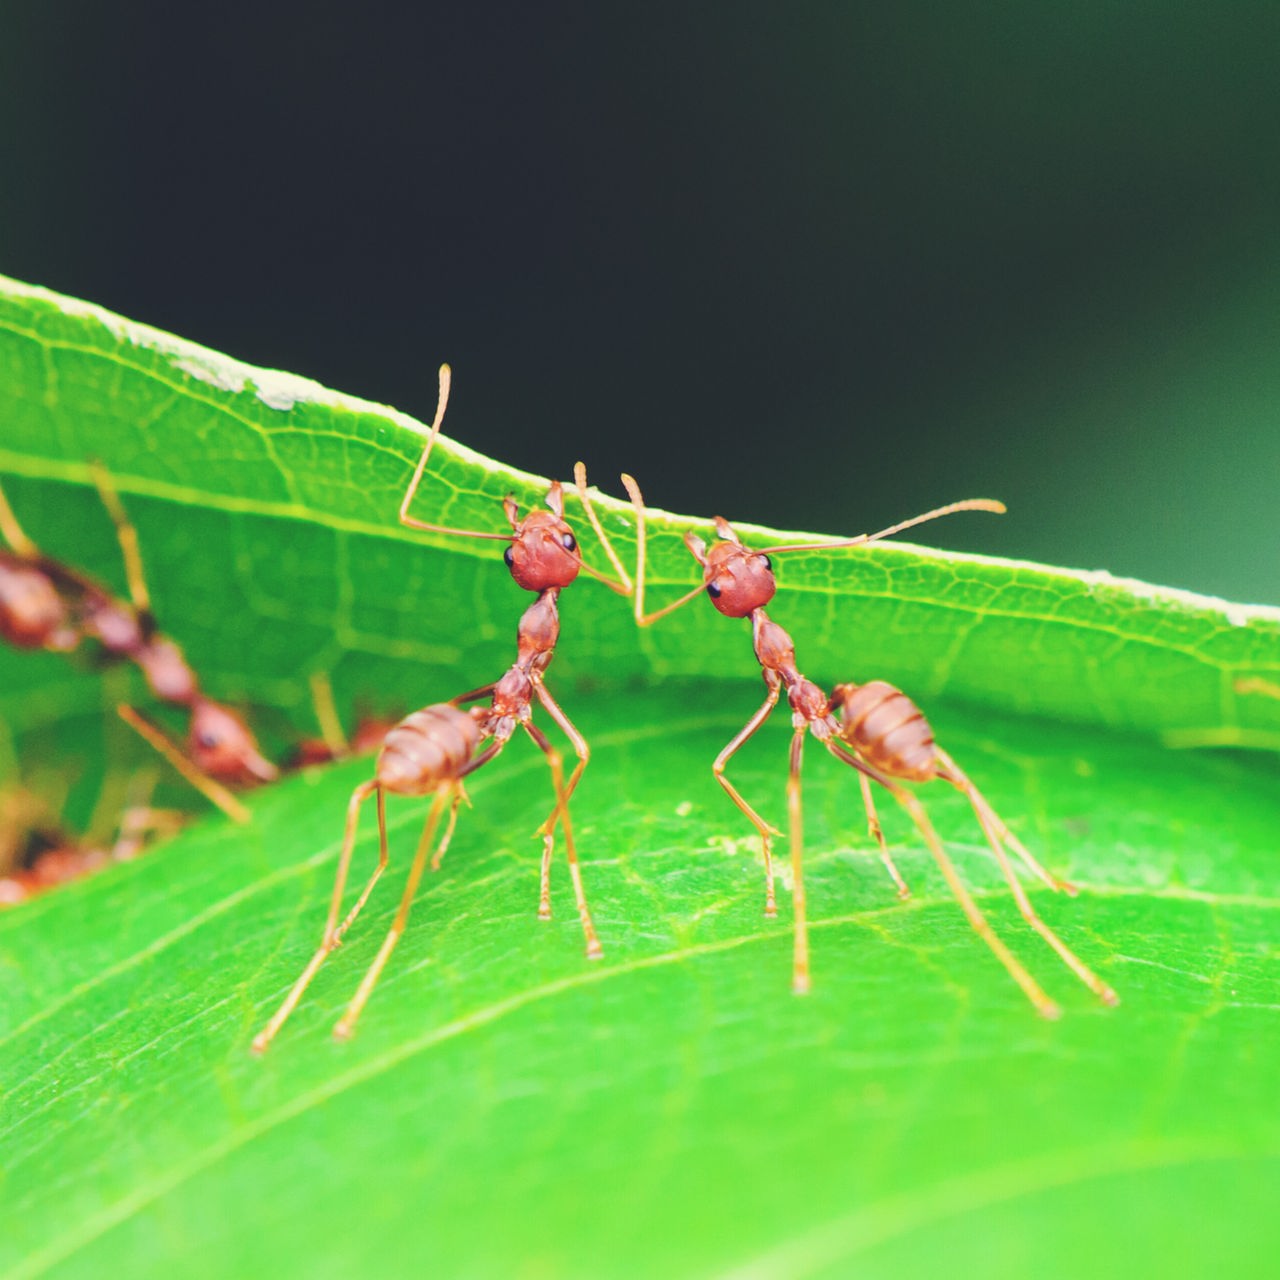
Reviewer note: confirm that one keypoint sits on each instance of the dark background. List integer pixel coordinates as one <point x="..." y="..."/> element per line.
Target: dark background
<point x="815" y="266"/>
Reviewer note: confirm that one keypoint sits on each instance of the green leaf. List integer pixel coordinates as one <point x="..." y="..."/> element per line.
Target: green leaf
<point x="508" y="1107"/>
<point x="287" y="557"/>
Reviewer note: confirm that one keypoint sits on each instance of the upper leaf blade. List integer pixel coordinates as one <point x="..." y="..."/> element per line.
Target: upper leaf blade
<point x="290" y="491"/>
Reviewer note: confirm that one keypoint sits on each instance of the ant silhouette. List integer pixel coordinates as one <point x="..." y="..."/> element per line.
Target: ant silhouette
<point x="433" y="750"/>
<point x="45" y="604"/>
<point x="874" y="728"/>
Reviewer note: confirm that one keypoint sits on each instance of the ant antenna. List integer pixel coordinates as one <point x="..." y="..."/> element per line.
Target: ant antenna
<point x="624" y="586"/>
<point x="969" y="504"/>
<point x="637" y="502"/>
<point x="446" y="377"/>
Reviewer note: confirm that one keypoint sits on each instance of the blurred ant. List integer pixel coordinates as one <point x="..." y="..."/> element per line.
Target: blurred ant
<point x="874" y="728"/>
<point x="44" y="604"/>
<point x="333" y="743"/>
<point x="37" y="855"/>
<point x="433" y="750"/>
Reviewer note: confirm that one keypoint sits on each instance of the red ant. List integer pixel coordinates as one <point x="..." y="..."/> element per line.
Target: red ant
<point x="873" y="727"/>
<point x="433" y="750"/>
<point x="47" y="605"/>
<point x="36" y="855"/>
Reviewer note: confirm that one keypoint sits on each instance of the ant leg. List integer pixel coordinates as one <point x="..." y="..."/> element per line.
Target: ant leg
<point x="443" y="847"/>
<point x="333" y="935"/>
<point x="406" y="519"/>
<point x="645" y="619"/>
<point x="950" y="772"/>
<point x="800" y="961"/>
<point x="13" y="532"/>
<point x="580" y="749"/>
<point x="623" y="584"/>
<point x="473" y="695"/>
<point x="765" y="830"/>
<point x="981" y="926"/>
<point x="345" y="1025"/>
<point x="991" y="830"/>
<point x="594" y="950"/>
<point x="873" y="827"/>
<point x="483" y="758"/>
<point x="208" y="787"/>
<point x="127" y="536"/>
<point x="327" y="715"/>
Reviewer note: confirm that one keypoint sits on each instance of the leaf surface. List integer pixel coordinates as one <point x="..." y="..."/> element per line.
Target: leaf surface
<point x="509" y="1108"/>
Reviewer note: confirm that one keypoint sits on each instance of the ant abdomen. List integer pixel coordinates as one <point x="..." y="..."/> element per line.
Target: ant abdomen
<point x="887" y="729"/>
<point x="427" y="748"/>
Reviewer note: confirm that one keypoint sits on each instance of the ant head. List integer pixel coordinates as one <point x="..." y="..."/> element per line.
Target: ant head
<point x="738" y="580"/>
<point x="223" y="746"/>
<point x="543" y="551"/>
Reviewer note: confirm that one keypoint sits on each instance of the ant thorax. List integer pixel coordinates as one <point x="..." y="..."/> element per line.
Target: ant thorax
<point x="510" y="705"/>
<point x="538" y="632"/>
<point x="114" y="624"/>
<point x="775" y="650"/>
<point x="166" y="670"/>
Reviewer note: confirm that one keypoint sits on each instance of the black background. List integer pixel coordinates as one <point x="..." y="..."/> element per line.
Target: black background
<point x="815" y="266"/>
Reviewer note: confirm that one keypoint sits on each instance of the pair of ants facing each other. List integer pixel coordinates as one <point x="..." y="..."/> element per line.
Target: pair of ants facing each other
<point x="873" y="728"/>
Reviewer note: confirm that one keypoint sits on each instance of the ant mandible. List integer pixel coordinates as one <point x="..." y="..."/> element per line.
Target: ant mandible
<point x="45" y="604"/>
<point x="874" y="728"/>
<point x="433" y="750"/>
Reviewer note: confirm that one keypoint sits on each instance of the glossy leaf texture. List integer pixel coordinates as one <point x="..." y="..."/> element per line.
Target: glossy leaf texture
<point x="288" y="558"/>
<point x="509" y="1108"/>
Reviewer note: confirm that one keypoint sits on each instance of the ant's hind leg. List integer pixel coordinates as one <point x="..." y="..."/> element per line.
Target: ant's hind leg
<point x="952" y="773"/>
<point x="993" y="831"/>
<point x="877" y="834"/>
<point x="973" y="913"/>
<point x="346" y="1025"/>
<point x="332" y="933"/>
<point x="442" y="848"/>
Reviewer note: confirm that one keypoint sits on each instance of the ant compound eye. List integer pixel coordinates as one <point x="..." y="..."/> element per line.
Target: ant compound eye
<point x="713" y="591"/>
<point x="568" y="542"/>
<point x="509" y="556"/>
<point x="764" y="560"/>
<point x="207" y="739"/>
